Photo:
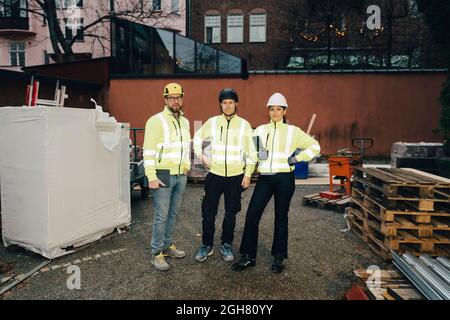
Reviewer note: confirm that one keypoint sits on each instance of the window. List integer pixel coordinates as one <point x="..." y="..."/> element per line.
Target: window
<point x="17" y="53"/>
<point x="72" y="27"/>
<point x="64" y="4"/>
<point x="413" y="8"/>
<point x="235" y="28"/>
<point x="258" y="27"/>
<point x="142" y="50"/>
<point x="212" y="28"/>
<point x="156" y="5"/>
<point x="13" y="8"/>
<point x="175" y="7"/>
<point x="185" y="54"/>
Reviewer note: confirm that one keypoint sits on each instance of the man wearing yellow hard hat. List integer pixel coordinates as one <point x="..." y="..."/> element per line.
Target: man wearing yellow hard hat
<point x="167" y="162"/>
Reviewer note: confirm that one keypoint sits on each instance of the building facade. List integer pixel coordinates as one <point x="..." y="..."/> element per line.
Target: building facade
<point x="258" y="31"/>
<point x="317" y="34"/>
<point x="24" y="31"/>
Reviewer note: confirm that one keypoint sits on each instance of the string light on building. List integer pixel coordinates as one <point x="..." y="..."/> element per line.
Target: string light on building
<point x="340" y="33"/>
<point x="371" y="35"/>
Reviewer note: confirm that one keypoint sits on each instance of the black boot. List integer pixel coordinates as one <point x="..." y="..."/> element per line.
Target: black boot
<point x="244" y="262"/>
<point x="277" y="265"/>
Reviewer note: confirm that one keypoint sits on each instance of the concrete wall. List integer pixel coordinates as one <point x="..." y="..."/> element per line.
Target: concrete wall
<point x="385" y="107"/>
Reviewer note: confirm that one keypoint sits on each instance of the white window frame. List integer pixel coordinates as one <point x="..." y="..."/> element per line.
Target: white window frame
<point x="216" y="27"/>
<point x="258" y="30"/>
<point x="14" y="49"/>
<point x="235" y="28"/>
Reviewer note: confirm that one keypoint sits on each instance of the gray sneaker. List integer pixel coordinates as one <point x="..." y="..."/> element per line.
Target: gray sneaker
<point x="203" y="253"/>
<point x="174" y="252"/>
<point x="160" y="263"/>
<point x="227" y="252"/>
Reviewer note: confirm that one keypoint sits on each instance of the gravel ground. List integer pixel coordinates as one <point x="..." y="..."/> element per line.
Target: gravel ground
<point x="320" y="265"/>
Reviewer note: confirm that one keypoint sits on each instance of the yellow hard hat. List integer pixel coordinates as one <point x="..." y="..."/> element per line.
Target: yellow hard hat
<point x="173" y="88"/>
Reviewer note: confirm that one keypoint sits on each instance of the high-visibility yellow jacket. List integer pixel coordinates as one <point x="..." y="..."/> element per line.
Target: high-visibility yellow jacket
<point x="166" y="144"/>
<point x="231" y="144"/>
<point x="281" y="140"/>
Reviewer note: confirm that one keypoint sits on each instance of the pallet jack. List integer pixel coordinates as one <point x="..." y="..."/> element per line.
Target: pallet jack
<point x="341" y="167"/>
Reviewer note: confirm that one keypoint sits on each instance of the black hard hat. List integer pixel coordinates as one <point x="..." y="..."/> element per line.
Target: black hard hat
<point x="228" y="93"/>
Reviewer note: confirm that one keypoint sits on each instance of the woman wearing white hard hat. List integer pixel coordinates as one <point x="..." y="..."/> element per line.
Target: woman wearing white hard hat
<point x="279" y="146"/>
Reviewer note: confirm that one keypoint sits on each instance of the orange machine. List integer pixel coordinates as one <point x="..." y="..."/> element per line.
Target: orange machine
<point x="341" y="167"/>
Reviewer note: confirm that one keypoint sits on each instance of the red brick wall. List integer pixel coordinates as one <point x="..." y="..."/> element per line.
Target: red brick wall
<point x="385" y="107"/>
<point x="273" y="54"/>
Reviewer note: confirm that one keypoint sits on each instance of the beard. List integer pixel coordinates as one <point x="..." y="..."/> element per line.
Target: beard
<point x="175" y="109"/>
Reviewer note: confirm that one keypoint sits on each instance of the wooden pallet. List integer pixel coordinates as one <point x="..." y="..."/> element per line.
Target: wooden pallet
<point x="407" y="198"/>
<point x="370" y="232"/>
<point x="394" y="182"/>
<point x="316" y="200"/>
<point x="437" y="226"/>
<point x="376" y="206"/>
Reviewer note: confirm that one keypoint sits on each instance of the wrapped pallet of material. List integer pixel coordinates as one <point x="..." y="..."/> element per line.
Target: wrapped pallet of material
<point x="420" y="155"/>
<point x="64" y="176"/>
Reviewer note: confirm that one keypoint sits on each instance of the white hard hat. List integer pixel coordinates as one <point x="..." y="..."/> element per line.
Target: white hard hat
<point x="277" y="99"/>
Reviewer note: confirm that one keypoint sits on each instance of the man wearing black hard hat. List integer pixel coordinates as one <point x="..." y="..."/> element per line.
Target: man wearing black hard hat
<point x="230" y="171"/>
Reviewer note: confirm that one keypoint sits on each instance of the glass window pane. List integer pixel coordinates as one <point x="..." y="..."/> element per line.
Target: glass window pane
<point x="216" y="35"/>
<point x="164" y="60"/>
<point x="185" y="54"/>
<point x="212" y="21"/>
<point x="235" y="28"/>
<point x="235" y="34"/>
<point x="23" y="7"/>
<point x="13" y="58"/>
<point x="156" y="5"/>
<point x="121" y="38"/>
<point x="229" y="63"/>
<point x="235" y="20"/>
<point x="142" y="63"/>
<point x="174" y="6"/>
<point x="257" y="28"/>
<point x="212" y="29"/>
<point x="206" y="59"/>
<point x="22" y="59"/>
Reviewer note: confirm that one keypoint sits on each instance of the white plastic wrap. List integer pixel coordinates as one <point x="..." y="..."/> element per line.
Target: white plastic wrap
<point x="64" y="176"/>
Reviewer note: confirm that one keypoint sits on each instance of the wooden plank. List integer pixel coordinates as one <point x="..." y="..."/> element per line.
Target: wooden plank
<point x="376" y="173"/>
<point x="405" y="293"/>
<point x="432" y="177"/>
<point x="410" y="177"/>
<point x="387" y="296"/>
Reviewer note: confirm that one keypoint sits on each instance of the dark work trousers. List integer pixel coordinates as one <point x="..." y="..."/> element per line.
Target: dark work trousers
<point x="214" y="187"/>
<point x="282" y="187"/>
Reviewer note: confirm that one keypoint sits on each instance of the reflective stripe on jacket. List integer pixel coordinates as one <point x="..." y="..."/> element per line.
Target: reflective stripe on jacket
<point x="231" y="144"/>
<point x="166" y="144"/>
<point x="282" y="140"/>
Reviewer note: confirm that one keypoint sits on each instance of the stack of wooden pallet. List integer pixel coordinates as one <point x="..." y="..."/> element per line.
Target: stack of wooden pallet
<point x="401" y="210"/>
